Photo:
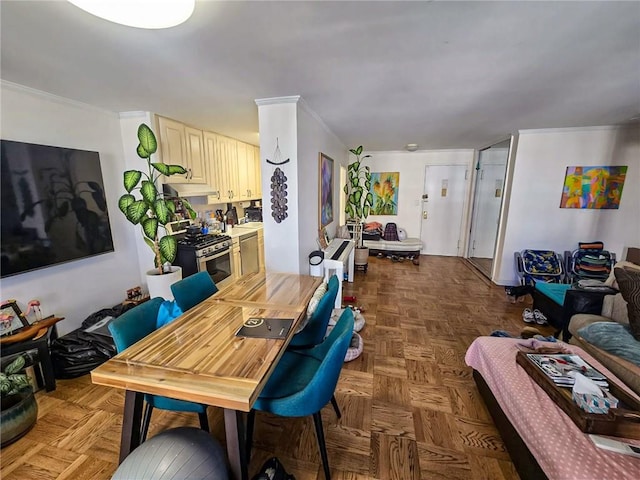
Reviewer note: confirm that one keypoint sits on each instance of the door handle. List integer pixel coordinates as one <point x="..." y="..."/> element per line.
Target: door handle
<point x="424" y="214"/>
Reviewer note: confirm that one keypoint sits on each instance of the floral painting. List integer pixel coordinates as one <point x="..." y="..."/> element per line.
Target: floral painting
<point x="326" y="190"/>
<point x="384" y="188"/>
<point x="593" y="187"/>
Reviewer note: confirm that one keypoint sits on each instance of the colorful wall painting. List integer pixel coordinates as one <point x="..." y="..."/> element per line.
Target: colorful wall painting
<point x="384" y="188"/>
<point x="593" y="187"/>
<point x="326" y="191"/>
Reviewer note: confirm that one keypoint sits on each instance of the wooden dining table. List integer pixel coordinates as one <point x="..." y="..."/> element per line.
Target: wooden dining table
<point x="199" y="358"/>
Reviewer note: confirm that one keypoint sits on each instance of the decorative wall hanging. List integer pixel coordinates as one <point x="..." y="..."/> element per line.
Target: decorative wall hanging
<point x="325" y="188"/>
<point x="593" y="187"/>
<point x="384" y="188"/>
<point x="278" y="186"/>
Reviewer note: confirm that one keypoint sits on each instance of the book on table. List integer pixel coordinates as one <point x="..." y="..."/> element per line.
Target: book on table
<point x="558" y="367"/>
<point x="262" y="327"/>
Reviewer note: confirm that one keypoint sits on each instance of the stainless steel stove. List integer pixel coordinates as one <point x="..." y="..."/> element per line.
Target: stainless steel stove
<point x="198" y="252"/>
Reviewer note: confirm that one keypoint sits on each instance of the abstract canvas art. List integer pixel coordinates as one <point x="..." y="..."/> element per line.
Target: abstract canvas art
<point x="593" y="187"/>
<point x="384" y="187"/>
<point x="326" y="191"/>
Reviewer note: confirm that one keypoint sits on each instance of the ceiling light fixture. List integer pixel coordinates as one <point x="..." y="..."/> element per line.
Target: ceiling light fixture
<point x="412" y="147"/>
<point x="140" y="13"/>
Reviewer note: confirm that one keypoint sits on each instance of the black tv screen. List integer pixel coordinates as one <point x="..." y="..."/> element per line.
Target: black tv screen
<point x="53" y="206"/>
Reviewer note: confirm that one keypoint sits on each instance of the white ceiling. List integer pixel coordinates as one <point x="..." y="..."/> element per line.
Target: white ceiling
<point x="381" y="74"/>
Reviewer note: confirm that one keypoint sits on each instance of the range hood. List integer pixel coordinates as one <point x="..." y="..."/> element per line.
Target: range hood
<point x="191" y="192"/>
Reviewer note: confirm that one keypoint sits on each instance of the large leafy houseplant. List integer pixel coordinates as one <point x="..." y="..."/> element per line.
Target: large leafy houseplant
<point x="152" y="211"/>
<point x="359" y="198"/>
<point x="19" y="409"/>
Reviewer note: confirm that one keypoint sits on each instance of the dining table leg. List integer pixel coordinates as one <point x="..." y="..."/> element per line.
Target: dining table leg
<point x="236" y="451"/>
<point x="130" y="437"/>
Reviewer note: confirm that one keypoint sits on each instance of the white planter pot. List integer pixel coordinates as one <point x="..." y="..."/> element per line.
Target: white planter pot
<point x="361" y="256"/>
<point x="160" y="285"/>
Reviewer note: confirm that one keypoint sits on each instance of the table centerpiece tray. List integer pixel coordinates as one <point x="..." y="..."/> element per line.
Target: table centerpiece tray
<point x="623" y="421"/>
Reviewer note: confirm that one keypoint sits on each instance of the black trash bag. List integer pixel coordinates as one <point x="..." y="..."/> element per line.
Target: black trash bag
<point x="78" y="352"/>
<point x="273" y="470"/>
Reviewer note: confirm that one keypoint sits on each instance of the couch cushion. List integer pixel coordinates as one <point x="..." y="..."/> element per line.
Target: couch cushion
<point x="613" y="338"/>
<point x="629" y="284"/>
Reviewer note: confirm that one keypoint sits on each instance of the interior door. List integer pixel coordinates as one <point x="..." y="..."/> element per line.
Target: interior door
<point x="487" y="210"/>
<point x="442" y="209"/>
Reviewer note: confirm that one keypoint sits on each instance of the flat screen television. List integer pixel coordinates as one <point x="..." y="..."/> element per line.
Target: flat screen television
<point x="53" y="207"/>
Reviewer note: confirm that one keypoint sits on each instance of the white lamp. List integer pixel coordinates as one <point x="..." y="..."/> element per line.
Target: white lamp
<point x="140" y="13"/>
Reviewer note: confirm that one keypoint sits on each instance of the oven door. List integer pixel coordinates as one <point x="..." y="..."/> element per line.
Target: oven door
<point x="218" y="266"/>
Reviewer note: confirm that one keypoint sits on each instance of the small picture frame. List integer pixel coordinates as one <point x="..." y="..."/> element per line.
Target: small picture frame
<point x="11" y="318"/>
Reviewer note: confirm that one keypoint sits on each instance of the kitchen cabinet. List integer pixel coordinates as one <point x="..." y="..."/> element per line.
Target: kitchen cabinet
<point x="257" y="167"/>
<point x="182" y="145"/>
<point x="221" y="157"/>
<point x="236" y="260"/>
<point x="248" y="177"/>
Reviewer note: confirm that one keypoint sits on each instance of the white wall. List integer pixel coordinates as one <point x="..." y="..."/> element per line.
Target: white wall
<point x="535" y="219"/>
<point x="314" y="137"/>
<point x="76" y="289"/>
<point x="277" y="119"/>
<point x="411" y="166"/>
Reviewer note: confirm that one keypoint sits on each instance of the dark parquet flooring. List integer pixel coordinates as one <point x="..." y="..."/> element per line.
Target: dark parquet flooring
<point x="410" y="407"/>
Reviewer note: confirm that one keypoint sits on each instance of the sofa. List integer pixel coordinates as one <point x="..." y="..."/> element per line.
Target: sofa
<point x="607" y="337"/>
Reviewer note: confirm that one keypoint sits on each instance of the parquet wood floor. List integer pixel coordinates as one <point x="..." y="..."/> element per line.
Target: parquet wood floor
<point x="410" y="408"/>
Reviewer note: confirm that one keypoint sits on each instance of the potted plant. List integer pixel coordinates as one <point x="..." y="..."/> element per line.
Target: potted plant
<point x="19" y="410"/>
<point x="359" y="200"/>
<point x="153" y="211"/>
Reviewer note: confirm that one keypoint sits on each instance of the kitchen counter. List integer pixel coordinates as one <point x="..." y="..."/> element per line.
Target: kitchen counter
<point x="246" y="229"/>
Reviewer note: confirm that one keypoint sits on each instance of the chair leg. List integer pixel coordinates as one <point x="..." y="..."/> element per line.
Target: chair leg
<point x="251" y="417"/>
<point x="335" y="406"/>
<point x="204" y="421"/>
<point x="146" y="420"/>
<point x="317" y="420"/>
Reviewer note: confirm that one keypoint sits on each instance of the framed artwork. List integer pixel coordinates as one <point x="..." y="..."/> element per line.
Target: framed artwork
<point x="11" y="318"/>
<point x="593" y="187"/>
<point x="384" y="188"/>
<point x="325" y="189"/>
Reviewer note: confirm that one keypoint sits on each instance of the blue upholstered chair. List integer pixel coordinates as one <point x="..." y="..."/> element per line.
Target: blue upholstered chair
<point x="313" y="333"/>
<point x="132" y="326"/>
<point x="304" y="381"/>
<point x="193" y="289"/>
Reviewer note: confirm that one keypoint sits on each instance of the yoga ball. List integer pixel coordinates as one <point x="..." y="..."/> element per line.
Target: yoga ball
<point x="176" y="454"/>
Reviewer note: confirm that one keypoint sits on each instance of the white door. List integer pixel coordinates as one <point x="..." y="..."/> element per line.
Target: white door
<point x="442" y="208"/>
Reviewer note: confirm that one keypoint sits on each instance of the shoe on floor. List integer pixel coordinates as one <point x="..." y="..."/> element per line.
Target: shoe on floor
<point x="539" y="317"/>
<point x="527" y="316"/>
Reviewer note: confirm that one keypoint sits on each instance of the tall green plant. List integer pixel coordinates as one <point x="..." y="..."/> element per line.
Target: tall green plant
<point x="152" y="211"/>
<point x="359" y="197"/>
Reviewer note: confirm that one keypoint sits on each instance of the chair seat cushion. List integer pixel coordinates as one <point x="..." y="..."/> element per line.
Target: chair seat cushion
<point x="555" y="291"/>
<point x="166" y="403"/>
<point x="614" y="338"/>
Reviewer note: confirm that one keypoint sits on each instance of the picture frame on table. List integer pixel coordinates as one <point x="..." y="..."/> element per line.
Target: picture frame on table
<point x="325" y="190"/>
<point x="11" y="318"/>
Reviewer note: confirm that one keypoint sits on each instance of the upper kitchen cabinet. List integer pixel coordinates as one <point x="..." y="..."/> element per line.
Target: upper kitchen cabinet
<point x="182" y="145"/>
<point x="246" y="171"/>
<point x="258" y="172"/>
<point x="222" y="160"/>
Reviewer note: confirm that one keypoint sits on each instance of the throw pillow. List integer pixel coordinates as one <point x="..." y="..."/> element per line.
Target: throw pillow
<point x="315" y="299"/>
<point x="612" y="338"/>
<point x="168" y="311"/>
<point x="629" y="284"/>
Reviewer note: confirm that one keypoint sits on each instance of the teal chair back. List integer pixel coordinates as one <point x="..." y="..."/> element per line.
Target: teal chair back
<point x="192" y="290"/>
<point x="313" y="333"/>
<point x="135" y="324"/>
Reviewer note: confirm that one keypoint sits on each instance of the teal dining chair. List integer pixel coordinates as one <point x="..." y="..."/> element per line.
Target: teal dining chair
<point x="304" y="381"/>
<point x="132" y="326"/>
<point x="313" y="333"/>
<point x="193" y="289"/>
